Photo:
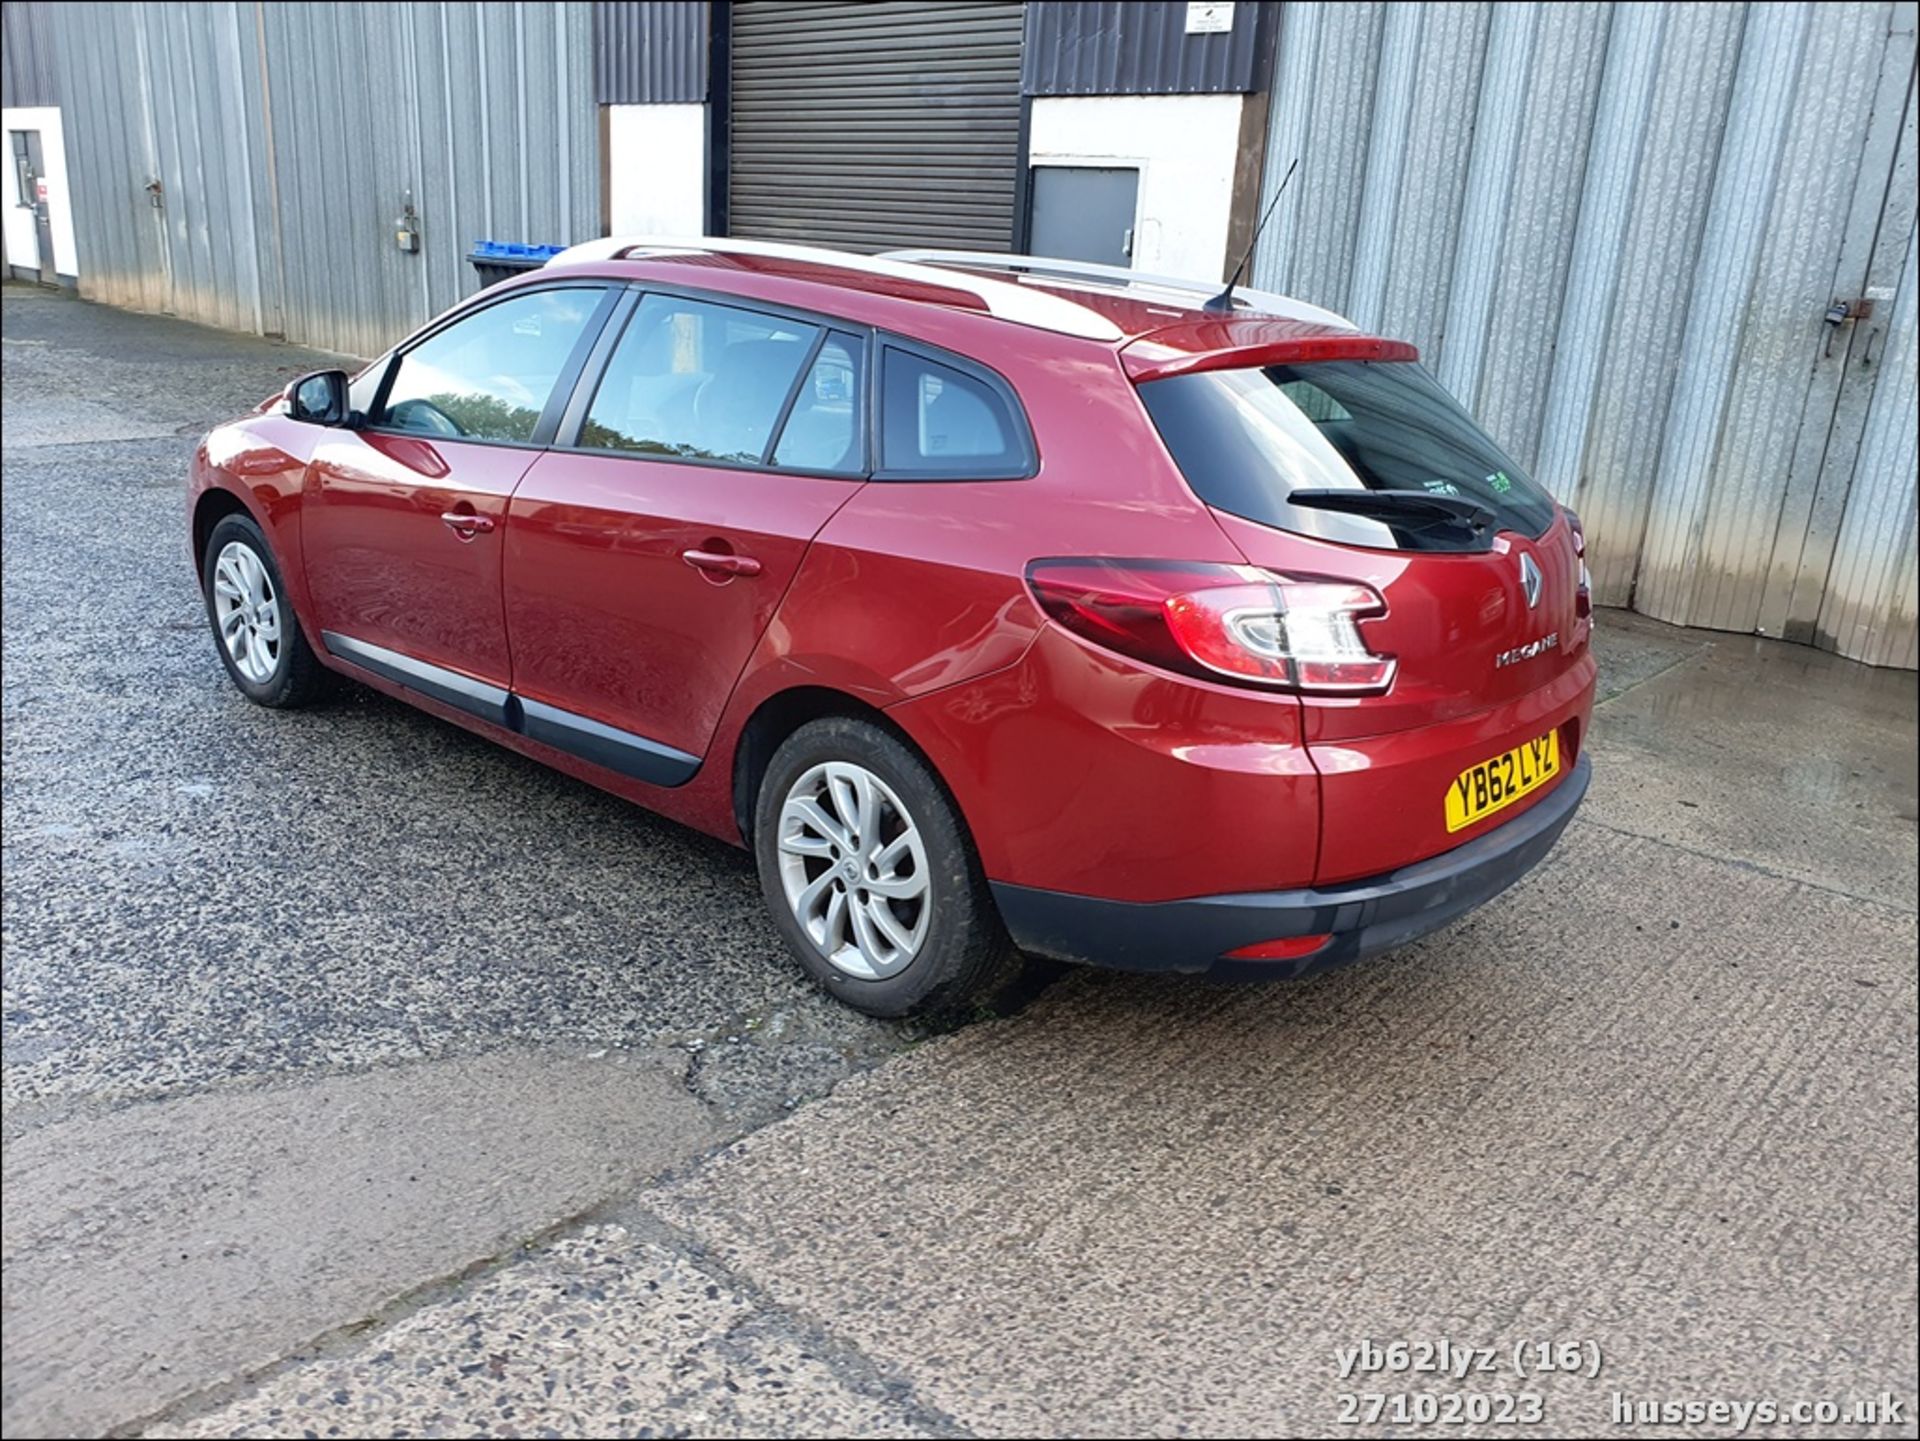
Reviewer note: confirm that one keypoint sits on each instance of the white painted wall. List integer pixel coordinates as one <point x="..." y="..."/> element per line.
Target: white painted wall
<point x="22" y="241"/>
<point x="1184" y="148"/>
<point x="657" y="169"/>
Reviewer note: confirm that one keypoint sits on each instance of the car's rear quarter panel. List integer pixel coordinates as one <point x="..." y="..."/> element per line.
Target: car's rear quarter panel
<point x="1076" y="770"/>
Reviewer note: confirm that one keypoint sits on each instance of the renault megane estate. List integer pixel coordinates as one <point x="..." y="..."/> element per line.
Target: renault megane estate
<point x="999" y="605"/>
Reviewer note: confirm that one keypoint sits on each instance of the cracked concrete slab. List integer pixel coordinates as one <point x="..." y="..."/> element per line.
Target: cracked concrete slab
<point x="603" y="1334"/>
<point x="168" y="1246"/>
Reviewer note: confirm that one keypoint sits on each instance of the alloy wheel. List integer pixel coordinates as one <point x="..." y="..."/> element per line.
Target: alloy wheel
<point x="246" y="611"/>
<point x="854" y="870"/>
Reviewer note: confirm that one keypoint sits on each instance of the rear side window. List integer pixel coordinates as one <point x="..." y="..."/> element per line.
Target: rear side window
<point x="488" y="375"/>
<point x="1246" y="440"/>
<point x="694" y="381"/>
<point x="938" y="421"/>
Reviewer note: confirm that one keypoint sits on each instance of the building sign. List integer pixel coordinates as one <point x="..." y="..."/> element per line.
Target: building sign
<point x="1209" y="17"/>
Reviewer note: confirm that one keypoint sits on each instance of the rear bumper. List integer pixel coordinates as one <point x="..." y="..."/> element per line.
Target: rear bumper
<point x="1363" y="917"/>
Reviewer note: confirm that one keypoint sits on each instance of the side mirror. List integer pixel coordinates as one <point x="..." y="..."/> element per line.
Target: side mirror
<point x="320" y="398"/>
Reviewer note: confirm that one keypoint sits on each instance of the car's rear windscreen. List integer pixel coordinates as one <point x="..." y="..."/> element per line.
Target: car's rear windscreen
<point x="1248" y="439"/>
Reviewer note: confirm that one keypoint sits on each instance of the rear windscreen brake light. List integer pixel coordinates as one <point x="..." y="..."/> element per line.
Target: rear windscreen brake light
<point x="1231" y="623"/>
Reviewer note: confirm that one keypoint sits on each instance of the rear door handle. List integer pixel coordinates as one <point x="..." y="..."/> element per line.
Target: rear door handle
<point x="721" y="562"/>
<point x="463" y="524"/>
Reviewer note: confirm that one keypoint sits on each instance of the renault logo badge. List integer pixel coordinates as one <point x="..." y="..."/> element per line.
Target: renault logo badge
<point x="1530" y="580"/>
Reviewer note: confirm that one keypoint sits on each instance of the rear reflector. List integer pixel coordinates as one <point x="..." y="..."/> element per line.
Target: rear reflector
<point x="1583" y="596"/>
<point x="1286" y="948"/>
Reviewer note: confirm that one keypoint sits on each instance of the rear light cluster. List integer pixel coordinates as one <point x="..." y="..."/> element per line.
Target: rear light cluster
<point x="1583" y="597"/>
<point x="1229" y="623"/>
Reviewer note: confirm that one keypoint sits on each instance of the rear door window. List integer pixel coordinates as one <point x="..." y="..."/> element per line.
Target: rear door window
<point x="824" y="430"/>
<point x="941" y="421"/>
<point x="1246" y="440"/>
<point x="693" y="381"/>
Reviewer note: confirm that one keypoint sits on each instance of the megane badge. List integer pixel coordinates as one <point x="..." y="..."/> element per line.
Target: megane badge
<point x="1530" y="580"/>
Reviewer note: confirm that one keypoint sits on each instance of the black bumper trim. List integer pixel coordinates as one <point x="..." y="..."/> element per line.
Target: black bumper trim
<point x="617" y="750"/>
<point x="1363" y="917"/>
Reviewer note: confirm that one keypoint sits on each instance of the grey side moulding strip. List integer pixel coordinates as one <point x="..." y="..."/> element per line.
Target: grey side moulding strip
<point x="603" y="745"/>
<point x="489" y="702"/>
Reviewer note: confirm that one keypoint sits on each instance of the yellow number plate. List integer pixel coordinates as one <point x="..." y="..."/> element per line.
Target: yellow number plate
<point x="1494" y="784"/>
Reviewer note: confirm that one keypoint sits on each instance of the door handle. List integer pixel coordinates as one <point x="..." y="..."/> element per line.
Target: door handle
<point x="465" y="525"/>
<point x="721" y="562"/>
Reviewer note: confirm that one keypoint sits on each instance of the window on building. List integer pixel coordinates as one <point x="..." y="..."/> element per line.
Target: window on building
<point x="937" y="420"/>
<point x="488" y="376"/>
<point x="693" y="381"/>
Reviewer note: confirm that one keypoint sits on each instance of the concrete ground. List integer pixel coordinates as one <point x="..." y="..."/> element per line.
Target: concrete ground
<point x="364" y="1079"/>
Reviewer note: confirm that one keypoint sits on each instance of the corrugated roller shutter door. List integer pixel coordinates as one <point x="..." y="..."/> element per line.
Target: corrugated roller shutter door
<point x="873" y="125"/>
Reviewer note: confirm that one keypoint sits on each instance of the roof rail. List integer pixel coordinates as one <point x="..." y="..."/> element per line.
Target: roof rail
<point x="1017" y="303"/>
<point x="1041" y="266"/>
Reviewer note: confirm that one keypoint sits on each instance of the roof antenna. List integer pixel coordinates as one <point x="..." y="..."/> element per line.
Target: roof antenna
<point x="1222" y="304"/>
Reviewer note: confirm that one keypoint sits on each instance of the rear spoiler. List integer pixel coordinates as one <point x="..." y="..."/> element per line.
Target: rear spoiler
<point x="1235" y="343"/>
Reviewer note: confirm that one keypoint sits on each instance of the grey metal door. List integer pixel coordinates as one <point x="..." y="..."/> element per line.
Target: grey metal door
<point x="875" y="125"/>
<point x="1084" y="212"/>
<point x="30" y="172"/>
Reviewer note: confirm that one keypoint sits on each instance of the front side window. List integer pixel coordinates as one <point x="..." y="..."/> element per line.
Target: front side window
<point x="693" y="381"/>
<point x="937" y="420"/>
<point x="489" y="375"/>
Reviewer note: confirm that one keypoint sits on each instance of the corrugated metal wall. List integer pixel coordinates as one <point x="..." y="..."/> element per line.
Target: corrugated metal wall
<point x="287" y="137"/>
<point x="1141" y="47"/>
<point x="650" y="52"/>
<point x="26" y="58"/>
<point x="1614" y="231"/>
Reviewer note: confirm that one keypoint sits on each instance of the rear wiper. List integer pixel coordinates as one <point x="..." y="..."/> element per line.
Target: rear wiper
<point x="1415" y="509"/>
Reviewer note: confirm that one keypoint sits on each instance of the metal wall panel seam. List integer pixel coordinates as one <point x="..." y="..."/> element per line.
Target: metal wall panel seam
<point x="564" y="113"/>
<point x="1446" y="95"/>
<point x="1568" y="52"/>
<point x="151" y="155"/>
<point x="1730" y="251"/>
<point x="1490" y="173"/>
<point x="1288" y="137"/>
<point x="1593" y="275"/>
<point x="272" y="163"/>
<point x="451" y="120"/>
<point x="522" y="159"/>
<point x="411" y="62"/>
<point x="1883" y="213"/>
<point x="1862" y="612"/>
<point x="1386" y="152"/>
<point x="1771" y="387"/>
<point x="1692" y="96"/>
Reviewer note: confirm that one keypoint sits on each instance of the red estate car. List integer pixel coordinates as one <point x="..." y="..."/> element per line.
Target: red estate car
<point x="997" y="604"/>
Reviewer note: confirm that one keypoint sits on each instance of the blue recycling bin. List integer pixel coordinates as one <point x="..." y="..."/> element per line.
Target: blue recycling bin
<point x="498" y="260"/>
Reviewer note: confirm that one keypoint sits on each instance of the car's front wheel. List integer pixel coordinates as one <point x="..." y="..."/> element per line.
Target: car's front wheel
<point x="254" y="627"/>
<point x="870" y="875"/>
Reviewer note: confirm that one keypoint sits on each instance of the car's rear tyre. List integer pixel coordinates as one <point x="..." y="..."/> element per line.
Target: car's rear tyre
<point x="254" y="627"/>
<point x="871" y="877"/>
